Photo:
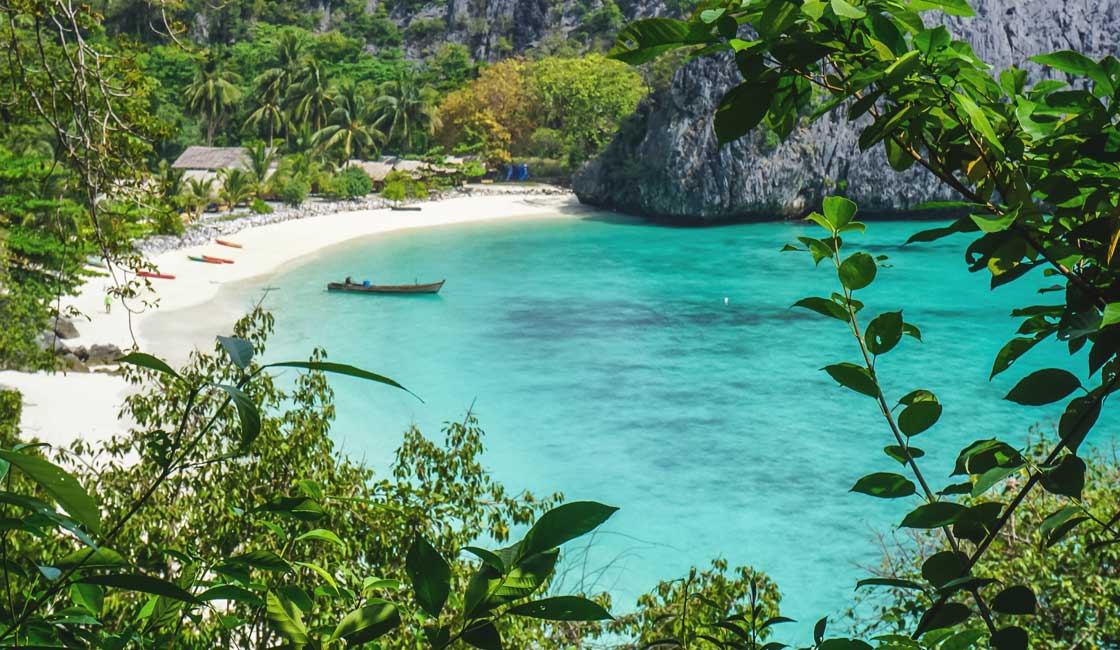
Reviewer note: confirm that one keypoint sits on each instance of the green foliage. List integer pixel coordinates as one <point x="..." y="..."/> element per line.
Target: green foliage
<point x="727" y="610"/>
<point x="400" y="186"/>
<point x="280" y="540"/>
<point x="292" y="190"/>
<point x="11" y="410"/>
<point x="259" y="206"/>
<point x="350" y="183"/>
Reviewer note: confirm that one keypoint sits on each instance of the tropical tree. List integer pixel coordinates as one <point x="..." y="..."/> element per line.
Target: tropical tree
<point x="261" y="158"/>
<point x="212" y="95"/>
<point x="238" y="186"/>
<point x="196" y="194"/>
<point x="406" y="112"/>
<point x="273" y="84"/>
<point x="309" y="100"/>
<point x="350" y="130"/>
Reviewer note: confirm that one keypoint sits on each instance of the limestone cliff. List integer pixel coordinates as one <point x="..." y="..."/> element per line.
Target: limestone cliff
<point x="668" y="164"/>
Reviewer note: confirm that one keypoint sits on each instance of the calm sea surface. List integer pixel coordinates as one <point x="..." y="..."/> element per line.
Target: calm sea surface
<point x="661" y="370"/>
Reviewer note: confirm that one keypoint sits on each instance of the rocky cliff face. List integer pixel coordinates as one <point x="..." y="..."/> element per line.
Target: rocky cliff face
<point x="670" y="166"/>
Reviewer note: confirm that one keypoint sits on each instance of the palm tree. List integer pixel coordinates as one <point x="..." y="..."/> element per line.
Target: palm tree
<point x="212" y="95"/>
<point x="309" y="100"/>
<point x="406" y="112"/>
<point x="273" y="84"/>
<point x="237" y="187"/>
<point x="196" y="194"/>
<point x="261" y="157"/>
<point x="349" y="127"/>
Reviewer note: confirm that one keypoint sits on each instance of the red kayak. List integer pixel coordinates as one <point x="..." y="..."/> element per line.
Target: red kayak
<point x="216" y="260"/>
<point x="151" y="274"/>
<point x="224" y="242"/>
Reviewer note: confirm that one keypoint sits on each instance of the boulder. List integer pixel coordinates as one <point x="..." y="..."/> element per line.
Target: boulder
<point x="103" y="353"/>
<point x="64" y="327"/>
<point x="71" y="363"/>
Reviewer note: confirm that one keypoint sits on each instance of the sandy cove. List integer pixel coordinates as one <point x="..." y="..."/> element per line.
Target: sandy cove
<point x="59" y="407"/>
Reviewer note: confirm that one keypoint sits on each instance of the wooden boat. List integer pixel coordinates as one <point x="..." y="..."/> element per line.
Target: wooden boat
<point x="405" y="208"/>
<point x="216" y="260"/>
<point x="434" y="287"/>
<point x="231" y="244"/>
<point x="152" y="274"/>
<point x="195" y="258"/>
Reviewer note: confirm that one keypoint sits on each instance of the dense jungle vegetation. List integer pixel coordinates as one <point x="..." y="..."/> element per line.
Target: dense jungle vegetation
<point x="226" y="517"/>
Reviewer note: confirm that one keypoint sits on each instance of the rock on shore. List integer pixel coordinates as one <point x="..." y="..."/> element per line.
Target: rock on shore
<point x="667" y="164"/>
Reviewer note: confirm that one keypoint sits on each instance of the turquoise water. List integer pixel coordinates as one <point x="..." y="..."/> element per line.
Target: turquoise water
<point x="660" y="370"/>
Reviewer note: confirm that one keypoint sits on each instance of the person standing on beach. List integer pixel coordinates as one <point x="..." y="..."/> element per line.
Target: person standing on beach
<point x="108" y="303"/>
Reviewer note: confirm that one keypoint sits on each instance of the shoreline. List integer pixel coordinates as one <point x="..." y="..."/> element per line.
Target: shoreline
<point x="93" y="399"/>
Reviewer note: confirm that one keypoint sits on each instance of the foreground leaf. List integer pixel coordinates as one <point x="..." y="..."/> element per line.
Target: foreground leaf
<point x="562" y="608"/>
<point x="61" y="485"/>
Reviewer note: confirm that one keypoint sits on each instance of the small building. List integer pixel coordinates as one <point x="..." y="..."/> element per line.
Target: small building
<point x="205" y="162"/>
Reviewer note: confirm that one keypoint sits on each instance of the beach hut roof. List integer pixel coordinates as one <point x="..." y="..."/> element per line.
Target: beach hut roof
<point x="376" y="169"/>
<point x="212" y="158"/>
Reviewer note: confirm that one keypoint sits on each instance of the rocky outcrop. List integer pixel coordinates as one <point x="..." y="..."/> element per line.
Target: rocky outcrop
<point x="670" y="166"/>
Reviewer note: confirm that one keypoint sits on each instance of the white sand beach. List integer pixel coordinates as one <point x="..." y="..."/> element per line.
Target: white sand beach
<point x="59" y="407"/>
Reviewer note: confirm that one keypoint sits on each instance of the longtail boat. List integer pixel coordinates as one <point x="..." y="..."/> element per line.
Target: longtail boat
<point x="354" y="287"/>
<point x="195" y="258"/>
<point x="225" y="242"/>
<point x="216" y="260"/>
<point x="152" y="274"/>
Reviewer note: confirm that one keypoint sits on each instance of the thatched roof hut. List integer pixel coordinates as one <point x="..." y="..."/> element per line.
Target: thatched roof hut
<point x="213" y="158"/>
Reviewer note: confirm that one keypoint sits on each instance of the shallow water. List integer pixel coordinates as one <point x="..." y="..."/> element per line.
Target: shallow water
<point x="661" y="370"/>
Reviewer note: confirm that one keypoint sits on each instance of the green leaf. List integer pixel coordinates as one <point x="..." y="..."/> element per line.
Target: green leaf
<point x="1010" y="638"/>
<point x="897" y="583"/>
<point x="994" y="223"/>
<point x="839" y="211"/>
<point x="854" y="377"/>
<point x="899" y="454"/>
<point x="1076" y="63"/>
<point x="933" y="515"/>
<point x="430" y="575"/>
<point x="741" y="109"/>
<point x="231" y="592"/>
<point x="141" y="583"/>
<point x="645" y="40"/>
<point x="950" y="7"/>
<point x="247" y="413"/>
<point x="857" y="271"/>
<point x="884" y="332"/>
<point x="287" y="619"/>
<point x="942" y="568"/>
<point x="1067" y="478"/>
<point x="1010" y="353"/>
<point x="777" y="18"/>
<point x="489" y="558"/>
<point x="824" y="307"/>
<point x="948" y="615"/>
<point x="919" y="416"/>
<point x="1043" y="387"/>
<point x="262" y="559"/>
<point x="341" y="369"/>
<point x="482" y="635"/>
<point x="845" y="9"/>
<point x="61" y="485"/>
<point x="884" y="485"/>
<point x="561" y="524"/>
<point x="1111" y="314"/>
<point x="990" y="478"/>
<point x="979" y="120"/>
<point x="91" y="558"/>
<point x="148" y="361"/>
<point x="368" y="623"/>
<point x="239" y="350"/>
<point x="322" y="535"/>
<point x="1016" y="600"/>
<point x="562" y="608"/>
<point x="1078" y="419"/>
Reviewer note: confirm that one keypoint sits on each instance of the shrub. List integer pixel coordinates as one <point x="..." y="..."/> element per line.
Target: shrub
<point x="350" y="183"/>
<point x="166" y="221"/>
<point x="11" y="409"/>
<point x="259" y="206"/>
<point x="400" y="186"/>
<point x="546" y="143"/>
<point x="293" y="190"/>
